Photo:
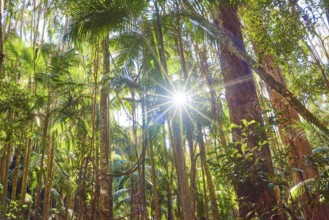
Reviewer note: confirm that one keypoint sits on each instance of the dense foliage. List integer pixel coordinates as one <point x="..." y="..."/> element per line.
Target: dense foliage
<point x="178" y="109"/>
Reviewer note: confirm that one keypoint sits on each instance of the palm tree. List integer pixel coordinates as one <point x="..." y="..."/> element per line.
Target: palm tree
<point x="99" y="18"/>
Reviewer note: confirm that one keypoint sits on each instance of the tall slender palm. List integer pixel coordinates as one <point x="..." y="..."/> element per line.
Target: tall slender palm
<point x="99" y="18"/>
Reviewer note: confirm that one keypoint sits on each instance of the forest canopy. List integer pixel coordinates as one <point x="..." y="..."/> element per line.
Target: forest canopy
<point x="164" y="109"/>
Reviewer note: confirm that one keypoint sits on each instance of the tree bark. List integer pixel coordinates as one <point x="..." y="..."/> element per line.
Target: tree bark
<point x="295" y="139"/>
<point x="255" y="197"/>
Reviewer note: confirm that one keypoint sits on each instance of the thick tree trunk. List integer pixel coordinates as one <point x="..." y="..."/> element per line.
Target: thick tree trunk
<point x="295" y="139"/>
<point x="255" y="197"/>
<point x="105" y="200"/>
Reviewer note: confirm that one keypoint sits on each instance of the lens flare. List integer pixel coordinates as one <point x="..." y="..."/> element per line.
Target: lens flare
<point x="179" y="99"/>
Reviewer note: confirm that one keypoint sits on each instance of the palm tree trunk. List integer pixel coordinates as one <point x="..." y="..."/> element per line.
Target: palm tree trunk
<point x="241" y="97"/>
<point x="155" y="199"/>
<point x="205" y="196"/>
<point x="94" y="147"/>
<point x="134" y="206"/>
<point x="181" y="167"/>
<point x="22" y="20"/>
<point x="44" y="144"/>
<point x="17" y="162"/>
<point x="187" y="122"/>
<point x="142" y="187"/>
<point x="211" y="188"/>
<point x="27" y="156"/>
<point x="169" y="187"/>
<point x="106" y="202"/>
<point x="48" y="182"/>
<point x="177" y="132"/>
<point x="1" y="37"/>
<point x="6" y="160"/>
<point x="216" y="112"/>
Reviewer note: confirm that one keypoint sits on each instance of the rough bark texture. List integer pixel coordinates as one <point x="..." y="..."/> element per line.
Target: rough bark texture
<point x="295" y="139"/>
<point x="255" y="196"/>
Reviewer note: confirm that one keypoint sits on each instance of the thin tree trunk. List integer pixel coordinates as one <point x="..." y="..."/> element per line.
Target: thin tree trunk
<point x="36" y="25"/>
<point x="27" y="156"/>
<point x="22" y="20"/>
<point x="6" y="159"/>
<point x="187" y="122"/>
<point x="205" y="199"/>
<point x="142" y="187"/>
<point x="211" y="188"/>
<point x="134" y="206"/>
<point x="17" y="162"/>
<point x="94" y="147"/>
<point x="48" y="182"/>
<point x="44" y="23"/>
<point x="106" y="202"/>
<point x="217" y="113"/>
<point x="155" y="199"/>
<point x="185" y="198"/>
<point x="169" y="188"/>
<point x="44" y="145"/>
<point x="1" y="37"/>
<point x="177" y="132"/>
<point x="242" y="97"/>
